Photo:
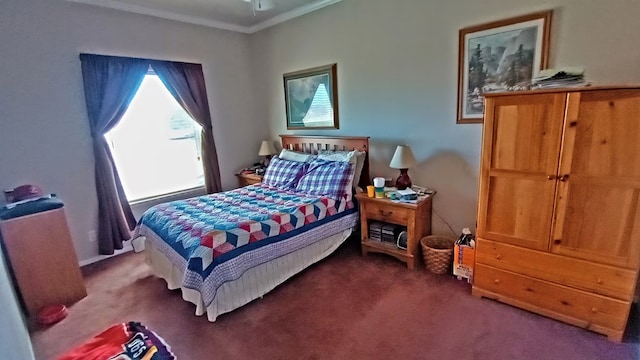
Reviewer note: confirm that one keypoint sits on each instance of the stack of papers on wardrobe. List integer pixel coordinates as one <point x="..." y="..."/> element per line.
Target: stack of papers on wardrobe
<point x="558" y="78"/>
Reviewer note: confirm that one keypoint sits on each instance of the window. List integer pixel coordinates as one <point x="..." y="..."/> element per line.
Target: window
<point x="156" y="146"/>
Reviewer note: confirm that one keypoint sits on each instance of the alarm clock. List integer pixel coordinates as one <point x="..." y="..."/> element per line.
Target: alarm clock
<point x="401" y="240"/>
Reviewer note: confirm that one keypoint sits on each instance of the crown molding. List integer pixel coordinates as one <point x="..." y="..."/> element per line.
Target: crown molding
<point x="117" y="5"/>
<point x="292" y="14"/>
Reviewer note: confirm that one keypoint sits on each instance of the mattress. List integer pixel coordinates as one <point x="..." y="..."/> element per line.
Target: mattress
<point x="258" y="280"/>
<point x="215" y="238"/>
<point x="224" y="250"/>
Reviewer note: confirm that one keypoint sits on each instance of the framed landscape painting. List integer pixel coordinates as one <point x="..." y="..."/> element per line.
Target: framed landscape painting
<point x="499" y="56"/>
<point x="311" y="98"/>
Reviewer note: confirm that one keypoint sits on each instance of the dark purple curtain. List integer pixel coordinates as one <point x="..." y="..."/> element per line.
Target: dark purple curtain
<point x="186" y="83"/>
<point x="110" y="84"/>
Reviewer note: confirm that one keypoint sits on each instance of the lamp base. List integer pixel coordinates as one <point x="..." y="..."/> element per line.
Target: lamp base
<point x="403" y="181"/>
<point x="266" y="161"/>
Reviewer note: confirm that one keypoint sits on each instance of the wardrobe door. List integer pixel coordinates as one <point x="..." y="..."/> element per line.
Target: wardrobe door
<point x="597" y="211"/>
<point x="521" y="143"/>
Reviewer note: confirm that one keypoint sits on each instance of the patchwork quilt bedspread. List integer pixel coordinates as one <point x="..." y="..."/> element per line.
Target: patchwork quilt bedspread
<point x="209" y="230"/>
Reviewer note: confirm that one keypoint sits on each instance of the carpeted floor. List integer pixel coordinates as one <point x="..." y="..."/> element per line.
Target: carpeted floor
<point x="345" y="307"/>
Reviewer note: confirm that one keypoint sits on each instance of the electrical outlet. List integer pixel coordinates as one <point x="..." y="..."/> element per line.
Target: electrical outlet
<point x="93" y="236"/>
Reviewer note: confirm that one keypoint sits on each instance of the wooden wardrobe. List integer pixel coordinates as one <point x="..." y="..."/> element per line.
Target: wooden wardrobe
<point x="558" y="213"/>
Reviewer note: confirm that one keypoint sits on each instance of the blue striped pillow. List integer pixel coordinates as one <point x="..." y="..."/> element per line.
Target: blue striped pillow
<point x="327" y="178"/>
<point x="283" y="174"/>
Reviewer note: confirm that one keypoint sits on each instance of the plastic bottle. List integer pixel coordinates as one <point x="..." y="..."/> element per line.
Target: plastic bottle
<point x="466" y="238"/>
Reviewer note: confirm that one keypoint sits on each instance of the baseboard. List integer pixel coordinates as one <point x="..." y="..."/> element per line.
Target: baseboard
<point x="127" y="247"/>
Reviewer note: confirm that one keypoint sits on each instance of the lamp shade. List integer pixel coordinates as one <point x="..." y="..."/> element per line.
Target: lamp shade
<point x="266" y="148"/>
<point x="403" y="158"/>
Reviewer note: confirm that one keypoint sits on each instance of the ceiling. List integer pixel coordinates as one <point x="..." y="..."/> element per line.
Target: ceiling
<point x="234" y="15"/>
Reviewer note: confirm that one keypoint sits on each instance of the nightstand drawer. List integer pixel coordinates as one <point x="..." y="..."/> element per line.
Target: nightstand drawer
<point x="415" y="217"/>
<point x="387" y="213"/>
<point x="248" y="179"/>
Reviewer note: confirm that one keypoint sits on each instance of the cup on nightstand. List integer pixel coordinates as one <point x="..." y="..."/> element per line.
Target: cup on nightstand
<point x="378" y="183"/>
<point x="371" y="191"/>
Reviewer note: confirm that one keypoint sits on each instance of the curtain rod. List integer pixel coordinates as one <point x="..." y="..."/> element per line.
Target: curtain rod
<point x="135" y="58"/>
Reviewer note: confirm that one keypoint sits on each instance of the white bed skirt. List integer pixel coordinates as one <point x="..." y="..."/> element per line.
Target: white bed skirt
<point x="253" y="284"/>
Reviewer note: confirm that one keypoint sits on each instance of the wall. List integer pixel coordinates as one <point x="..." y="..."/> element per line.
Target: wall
<point x="14" y="339"/>
<point x="397" y="76"/>
<point x="44" y="131"/>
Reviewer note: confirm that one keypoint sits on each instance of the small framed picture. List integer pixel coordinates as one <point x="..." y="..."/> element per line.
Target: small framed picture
<point x="311" y="98"/>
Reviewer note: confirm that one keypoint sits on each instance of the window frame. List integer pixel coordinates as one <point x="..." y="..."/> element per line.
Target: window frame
<point x="179" y="194"/>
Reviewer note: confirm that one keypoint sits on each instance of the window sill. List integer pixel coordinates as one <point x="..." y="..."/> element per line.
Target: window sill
<point x="196" y="191"/>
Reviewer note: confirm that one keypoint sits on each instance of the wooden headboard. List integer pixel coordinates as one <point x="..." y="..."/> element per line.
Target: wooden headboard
<point x="311" y="144"/>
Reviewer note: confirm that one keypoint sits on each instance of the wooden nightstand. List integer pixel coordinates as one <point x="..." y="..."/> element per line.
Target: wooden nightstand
<point x="416" y="217"/>
<point x="248" y="179"/>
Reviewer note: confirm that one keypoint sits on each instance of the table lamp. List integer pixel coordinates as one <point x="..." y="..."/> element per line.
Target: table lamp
<point x="267" y="150"/>
<point x="403" y="159"/>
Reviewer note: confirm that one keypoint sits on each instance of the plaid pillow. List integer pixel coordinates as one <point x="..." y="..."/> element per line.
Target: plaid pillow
<point x="327" y="178"/>
<point x="283" y="173"/>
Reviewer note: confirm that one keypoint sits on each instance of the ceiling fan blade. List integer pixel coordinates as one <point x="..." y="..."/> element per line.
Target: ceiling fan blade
<point x="261" y="5"/>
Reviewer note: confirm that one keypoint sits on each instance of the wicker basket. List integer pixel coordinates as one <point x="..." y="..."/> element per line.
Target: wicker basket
<point x="437" y="252"/>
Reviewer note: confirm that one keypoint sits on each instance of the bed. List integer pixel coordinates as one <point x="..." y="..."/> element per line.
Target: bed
<point x="225" y="250"/>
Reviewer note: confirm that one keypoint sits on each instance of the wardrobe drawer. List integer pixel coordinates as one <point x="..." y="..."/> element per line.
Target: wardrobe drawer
<point x="601" y="279"/>
<point x="387" y="213"/>
<point x="590" y="310"/>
